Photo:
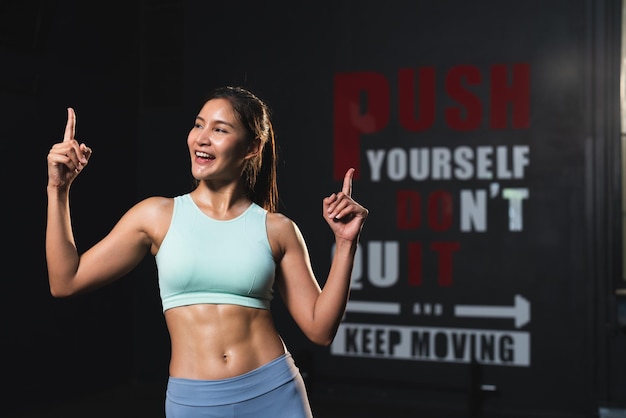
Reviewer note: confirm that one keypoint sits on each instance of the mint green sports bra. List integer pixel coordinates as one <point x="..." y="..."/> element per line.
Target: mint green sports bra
<point x="203" y="260"/>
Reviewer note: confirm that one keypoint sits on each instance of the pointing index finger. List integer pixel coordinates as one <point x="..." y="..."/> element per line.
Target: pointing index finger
<point x="70" y="126"/>
<point x="347" y="182"/>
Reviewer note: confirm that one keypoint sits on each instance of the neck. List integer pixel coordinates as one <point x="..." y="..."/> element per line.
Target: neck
<point x="221" y="203"/>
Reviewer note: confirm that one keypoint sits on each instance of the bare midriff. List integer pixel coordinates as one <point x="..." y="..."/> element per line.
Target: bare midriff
<point x="212" y="341"/>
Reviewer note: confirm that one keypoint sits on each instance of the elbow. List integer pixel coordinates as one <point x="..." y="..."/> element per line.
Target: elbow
<point x="60" y="291"/>
<point x="57" y="293"/>
<point x="323" y="340"/>
<point x="322" y="335"/>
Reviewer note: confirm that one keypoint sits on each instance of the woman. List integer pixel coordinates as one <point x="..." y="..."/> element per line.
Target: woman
<point x="220" y="251"/>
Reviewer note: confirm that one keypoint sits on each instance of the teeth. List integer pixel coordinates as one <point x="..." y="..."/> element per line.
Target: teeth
<point x="203" y="154"/>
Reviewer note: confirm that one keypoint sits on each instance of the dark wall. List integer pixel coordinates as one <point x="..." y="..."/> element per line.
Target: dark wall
<point x="54" y="55"/>
<point x="137" y="75"/>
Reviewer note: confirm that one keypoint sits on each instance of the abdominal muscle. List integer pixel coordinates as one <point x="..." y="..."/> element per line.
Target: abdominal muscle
<point x="212" y="341"/>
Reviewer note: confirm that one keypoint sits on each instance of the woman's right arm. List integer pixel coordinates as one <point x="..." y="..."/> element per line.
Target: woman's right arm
<point x="115" y="255"/>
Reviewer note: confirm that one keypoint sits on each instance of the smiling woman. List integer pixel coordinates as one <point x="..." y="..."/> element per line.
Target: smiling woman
<point x="220" y="250"/>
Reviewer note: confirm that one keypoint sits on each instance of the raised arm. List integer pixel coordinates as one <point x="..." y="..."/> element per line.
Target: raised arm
<point x="68" y="271"/>
<point x="318" y="312"/>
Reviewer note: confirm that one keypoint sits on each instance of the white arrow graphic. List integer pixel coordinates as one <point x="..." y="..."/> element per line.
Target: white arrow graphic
<point x="520" y="311"/>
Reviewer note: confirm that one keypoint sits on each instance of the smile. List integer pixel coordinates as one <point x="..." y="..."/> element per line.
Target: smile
<point x="204" y="155"/>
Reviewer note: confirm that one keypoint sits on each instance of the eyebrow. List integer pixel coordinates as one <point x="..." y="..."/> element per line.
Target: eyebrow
<point x="218" y="121"/>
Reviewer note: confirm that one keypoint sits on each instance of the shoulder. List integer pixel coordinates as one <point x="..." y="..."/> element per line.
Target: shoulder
<point x="282" y="231"/>
<point x="279" y="222"/>
<point x="154" y="206"/>
<point x="150" y="214"/>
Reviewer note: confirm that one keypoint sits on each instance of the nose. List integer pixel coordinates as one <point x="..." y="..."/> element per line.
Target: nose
<point x="203" y="137"/>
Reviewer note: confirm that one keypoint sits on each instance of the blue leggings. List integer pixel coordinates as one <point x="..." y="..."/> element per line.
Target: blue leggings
<point x="273" y="390"/>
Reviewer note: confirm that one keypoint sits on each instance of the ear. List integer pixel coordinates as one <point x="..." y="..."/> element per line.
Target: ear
<point x="254" y="148"/>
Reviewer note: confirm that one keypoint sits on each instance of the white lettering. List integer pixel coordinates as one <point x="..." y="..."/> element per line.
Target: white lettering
<point x="375" y="159"/>
<point x="450" y="345"/>
<point x="473" y="210"/>
<point x="440" y="163"/>
<point x="383" y="263"/>
<point x="515" y="198"/>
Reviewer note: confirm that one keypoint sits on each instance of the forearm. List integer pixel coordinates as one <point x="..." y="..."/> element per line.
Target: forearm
<point x="331" y="303"/>
<point x="61" y="253"/>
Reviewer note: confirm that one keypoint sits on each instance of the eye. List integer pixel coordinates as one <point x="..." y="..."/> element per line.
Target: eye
<point x="197" y="125"/>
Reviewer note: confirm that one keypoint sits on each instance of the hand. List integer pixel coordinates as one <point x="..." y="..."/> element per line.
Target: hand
<point x="66" y="159"/>
<point x="345" y="216"/>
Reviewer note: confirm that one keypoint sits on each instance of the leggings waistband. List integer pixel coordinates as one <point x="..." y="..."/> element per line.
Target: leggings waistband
<point x="233" y="389"/>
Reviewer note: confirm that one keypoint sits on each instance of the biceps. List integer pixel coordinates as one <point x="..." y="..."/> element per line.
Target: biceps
<point x="111" y="258"/>
<point x="297" y="284"/>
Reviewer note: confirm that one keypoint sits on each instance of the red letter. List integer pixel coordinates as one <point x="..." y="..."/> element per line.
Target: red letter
<point x="445" y="250"/>
<point x="517" y="93"/>
<point x="409" y="209"/>
<point x="426" y="99"/>
<point x="415" y="263"/>
<point x="439" y="210"/>
<point x="471" y="103"/>
<point x="351" y="121"/>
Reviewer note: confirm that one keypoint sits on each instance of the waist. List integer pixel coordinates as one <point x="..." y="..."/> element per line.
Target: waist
<point x="200" y="392"/>
<point x="219" y="341"/>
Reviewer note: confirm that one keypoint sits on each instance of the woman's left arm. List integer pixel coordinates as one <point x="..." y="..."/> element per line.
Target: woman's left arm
<point x="318" y="311"/>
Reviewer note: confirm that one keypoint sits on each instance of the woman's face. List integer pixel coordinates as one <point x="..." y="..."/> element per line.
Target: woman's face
<point x="217" y="143"/>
